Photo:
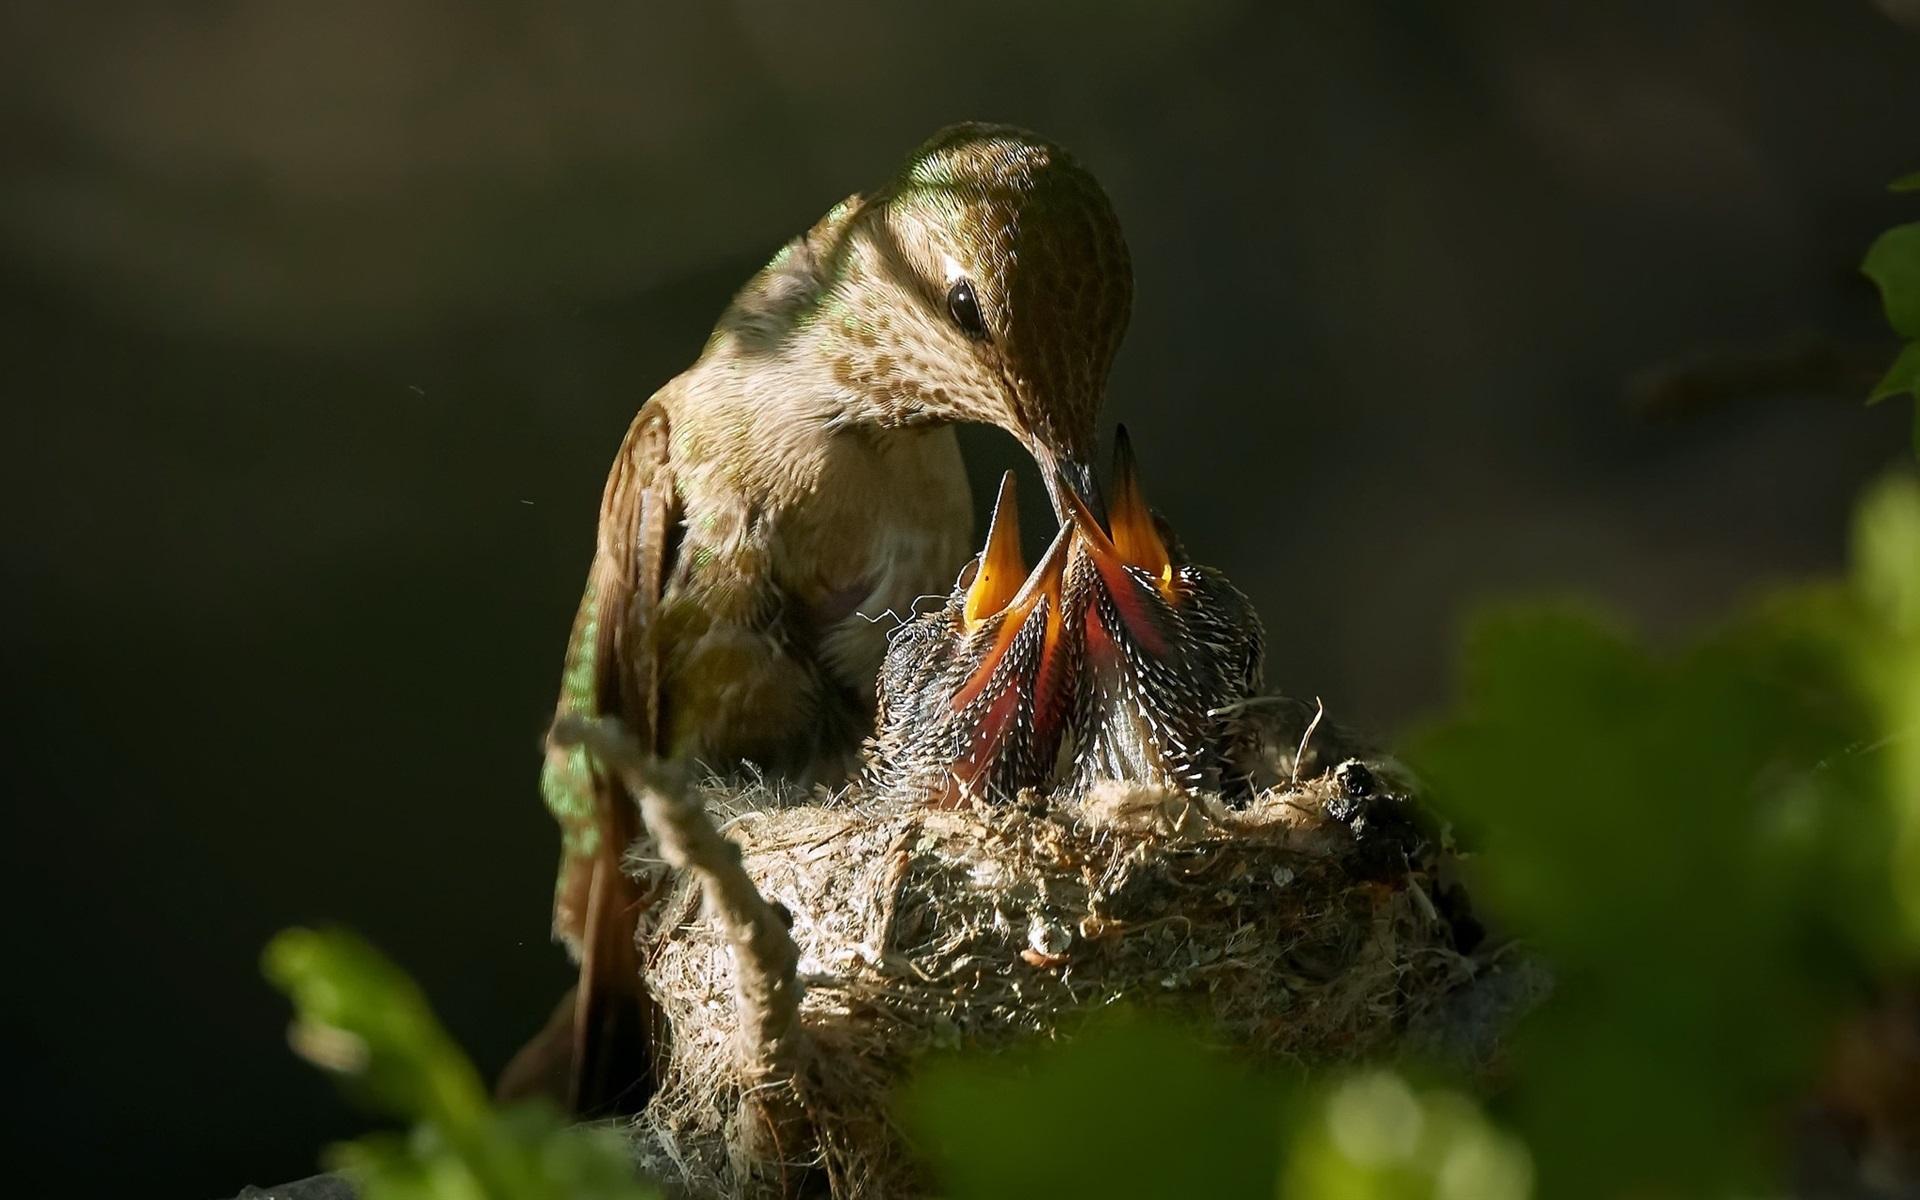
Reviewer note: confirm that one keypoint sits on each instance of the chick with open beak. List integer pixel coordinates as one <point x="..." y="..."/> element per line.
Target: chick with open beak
<point x="1114" y="658"/>
<point x="1169" y="653"/>
<point x="972" y="697"/>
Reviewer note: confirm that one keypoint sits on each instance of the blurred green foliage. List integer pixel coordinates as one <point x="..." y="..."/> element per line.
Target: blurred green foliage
<point x="361" y="1017"/>
<point x="1132" y="1107"/>
<point x="1883" y="648"/>
<point x="1373" y="1137"/>
<point x="1893" y="262"/>
<point x="1697" y="840"/>
<point x="1128" y="1108"/>
<point x="1717" y="847"/>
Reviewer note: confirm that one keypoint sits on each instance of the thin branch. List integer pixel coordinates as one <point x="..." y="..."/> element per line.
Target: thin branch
<point x="770" y="1039"/>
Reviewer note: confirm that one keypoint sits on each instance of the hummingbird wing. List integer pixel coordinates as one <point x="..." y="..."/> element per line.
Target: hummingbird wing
<point x="603" y="1033"/>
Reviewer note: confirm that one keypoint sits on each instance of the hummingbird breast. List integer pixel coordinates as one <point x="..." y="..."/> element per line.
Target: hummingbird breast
<point x="894" y="537"/>
<point x="783" y="599"/>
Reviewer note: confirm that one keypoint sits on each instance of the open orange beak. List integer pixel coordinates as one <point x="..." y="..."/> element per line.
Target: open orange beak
<point x="1132" y="560"/>
<point x="1136" y="538"/>
<point x="1013" y="630"/>
<point x="1002" y="566"/>
<point x="1002" y="601"/>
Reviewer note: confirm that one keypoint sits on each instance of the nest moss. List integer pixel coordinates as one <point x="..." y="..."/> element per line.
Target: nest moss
<point x="1312" y="924"/>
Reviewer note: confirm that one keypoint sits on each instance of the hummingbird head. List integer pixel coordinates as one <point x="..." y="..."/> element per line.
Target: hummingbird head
<point x="987" y="282"/>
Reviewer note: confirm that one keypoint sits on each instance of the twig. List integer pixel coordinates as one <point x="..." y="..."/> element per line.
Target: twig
<point x="1802" y="363"/>
<point x="1319" y="710"/>
<point x="770" y="1040"/>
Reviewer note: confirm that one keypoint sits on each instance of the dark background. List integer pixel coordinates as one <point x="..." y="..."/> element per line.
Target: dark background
<point x="321" y="325"/>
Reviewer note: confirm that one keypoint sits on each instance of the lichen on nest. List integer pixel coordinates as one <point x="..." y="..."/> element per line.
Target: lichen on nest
<point x="1310" y="924"/>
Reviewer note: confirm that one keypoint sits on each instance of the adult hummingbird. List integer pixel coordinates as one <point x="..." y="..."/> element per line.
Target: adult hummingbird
<point x="795" y="483"/>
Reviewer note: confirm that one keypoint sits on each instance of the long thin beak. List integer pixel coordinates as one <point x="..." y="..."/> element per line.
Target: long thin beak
<point x="1046" y="582"/>
<point x="1001" y="567"/>
<point x="1067" y="476"/>
<point x="1133" y="542"/>
<point x="1129" y="535"/>
<point x="1135" y="536"/>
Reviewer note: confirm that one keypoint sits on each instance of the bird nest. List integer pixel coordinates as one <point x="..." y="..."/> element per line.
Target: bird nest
<point x="1312" y="923"/>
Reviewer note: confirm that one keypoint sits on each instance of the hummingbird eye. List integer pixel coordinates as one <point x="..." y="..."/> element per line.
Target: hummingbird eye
<point x="964" y="307"/>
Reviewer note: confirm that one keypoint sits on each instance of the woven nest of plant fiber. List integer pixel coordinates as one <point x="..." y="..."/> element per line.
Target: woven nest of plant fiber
<point x="1317" y="922"/>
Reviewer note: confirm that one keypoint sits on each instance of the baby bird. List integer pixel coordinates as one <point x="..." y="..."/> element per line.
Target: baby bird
<point x="1170" y="652"/>
<point x="1114" y="658"/>
<point x="973" y="698"/>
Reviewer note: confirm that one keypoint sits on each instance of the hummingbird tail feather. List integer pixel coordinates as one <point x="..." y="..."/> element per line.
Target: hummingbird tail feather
<point x="613" y="1017"/>
<point x="542" y="1068"/>
<point x="594" y="1056"/>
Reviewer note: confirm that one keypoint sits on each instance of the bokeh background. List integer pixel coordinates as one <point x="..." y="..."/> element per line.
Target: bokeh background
<point x="321" y="324"/>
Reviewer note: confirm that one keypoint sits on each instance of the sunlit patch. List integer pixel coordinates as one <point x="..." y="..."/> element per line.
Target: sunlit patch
<point x="1002" y="566"/>
<point x="1136" y="537"/>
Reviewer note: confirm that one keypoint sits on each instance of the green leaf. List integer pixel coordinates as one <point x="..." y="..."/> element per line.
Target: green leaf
<point x="1902" y="378"/>
<point x="1689" y="841"/>
<point x="1135" y="1109"/>
<point x="1893" y="263"/>
<point x="360" y="1016"/>
<point x="1906" y="183"/>
<point x="1125" y="1109"/>
<point x="1886" y="552"/>
<point x="1886" y="548"/>
<point x="1375" y="1138"/>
